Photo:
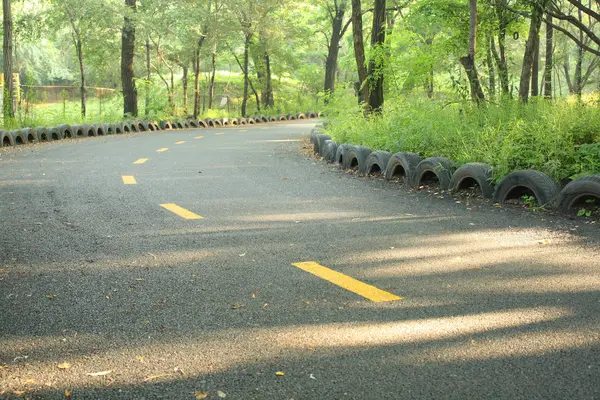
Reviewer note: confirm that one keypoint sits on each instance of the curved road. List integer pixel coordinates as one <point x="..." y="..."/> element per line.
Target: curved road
<point x="231" y="265"/>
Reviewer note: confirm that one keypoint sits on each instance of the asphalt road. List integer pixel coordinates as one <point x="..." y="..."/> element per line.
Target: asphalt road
<point x="106" y="292"/>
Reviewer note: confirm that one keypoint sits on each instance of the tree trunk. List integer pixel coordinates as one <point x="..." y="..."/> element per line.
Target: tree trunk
<point x="185" y="89"/>
<point x="9" y="111"/>
<point x="267" y="94"/>
<point x="197" y="79"/>
<point x="334" y="48"/>
<point x="491" y="69"/>
<point x="535" y="71"/>
<point x="148" y="72"/>
<point x="501" y="56"/>
<point x="172" y="92"/>
<point x="211" y="86"/>
<point x="248" y="37"/>
<point x="376" y="66"/>
<point x="567" y="71"/>
<point x="79" y="47"/>
<point x="359" y="51"/>
<point x="549" y="58"/>
<point x="528" y="57"/>
<point x="468" y="62"/>
<point x="130" y="107"/>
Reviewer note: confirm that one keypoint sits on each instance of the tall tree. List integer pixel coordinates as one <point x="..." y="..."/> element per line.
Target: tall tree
<point x="549" y="58"/>
<point x="7" y="51"/>
<point x="376" y="62"/>
<point x="537" y="10"/>
<point x="359" y="51"/>
<point x="336" y="14"/>
<point x="500" y="54"/>
<point x="468" y="62"/>
<point x="130" y="106"/>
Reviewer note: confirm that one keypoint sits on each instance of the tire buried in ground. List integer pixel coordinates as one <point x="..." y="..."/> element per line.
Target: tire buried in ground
<point x="65" y="131"/>
<point x="54" y="134"/>
<point x="42" y="134"/>
<point x="109" y="129"/>
<point x="250" y="121"/>
<point x="193" y="123"/>
<point x="234" y="121"/>
<point x="331" y="147"/>
<point x="300" y="116"/>
<point x="117" y="129"/>
<point x="518" y="184"/>
<point x="356" y="158"/>
<point x="311" y="114"/>
<point x="376" y="162"/>
<point x="439" y="169"/>
<point x="30" y="134"/>
<point x="319" y="140"/>
<point x="140" y="127"/>
<point x="165" y="125"/>
<point x="89" y="130"/>
<point x="313" y="134"/>
<point x="282" y="118"/>
<point x="323" y="147"/>
<point x="341" y="154"/>
<point x="580" y="194"/>
<point x="272" y="119"/>
<point x="6" y="139"/>
<point x="77" y="130"/>
<point x="473" y="175"/>
<point x="101" y="129"/>
<point x="18" y="137"/>
<point x="242" y="121"/>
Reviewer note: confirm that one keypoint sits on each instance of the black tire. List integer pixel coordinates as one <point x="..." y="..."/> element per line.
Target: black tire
<point x="282" y="118"/>
<point x="356" y="158"/>
<point x="164" y="125"/>
<point x="193" y="123"/>
<point x="514" y="184"/>
<point x="18" y="137"/>
<point x="243" y="121"/>
<point x="319" y="142"/>
<point x="30" y="134"/>
<point x="586" y="186"/>
<point x="117" y="129"/>
<point x="440" y="167"/>
<point x="140" y="127"/>
<point x="202" y="124"/>
<point x="185" y="125"/>
<point x="218" y="123"/>
<point x="272" y="119"/>
<point x="224" y="121"/>
<point x="341" y="153"/>
<point x="132" y="126"/>
<point x="89" y="130"/>
<point x="473" y="173"/>
<point x="54" y="134"/>
<point x="234" y="122"/>
<point x="65" y="131"/>
<point x="323" y="147"/>
<point x="100" y="129"/>
<point x="376" y="162"/>
<point x="178" y="125"/>
<point x="311" y="115"/>
<point x="147" y="125"/>
<point x="313" y="134"/>
<point x="331" y="147"/>
<point x="41" y="133"/>
<point x="109" y="129"/>
<point x="250" y="121"/>
<point x="291" y="117"/>
<point x="77" y="130"/>
<point x="6" y="139"/>
<point x="300" y="116"/>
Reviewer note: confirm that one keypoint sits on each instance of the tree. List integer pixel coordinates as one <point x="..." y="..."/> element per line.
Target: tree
<point x="336" y="14"/>
<point x="468" y="62"/>
<point x="376" y="62"/>
<point x="7" y="51"/>
<point x="130" y="106"/>
<point x="549" y="58"/>
<point x="359" y="50"/>
<point x="531" y="45"/>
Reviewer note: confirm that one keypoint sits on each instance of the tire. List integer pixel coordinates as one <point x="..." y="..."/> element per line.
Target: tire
<point x="178" y="125"/>
<point x="185" y="125"/>
<point x="147" y="126"/>
<point x="311" y="115"/>
<point x="18" y="137"/>
<point x="242" y="121"/>
<point x="282" y="118"/>
<point x="234" y="122"/>
<point x="6" y="139"/>
<point x="218" y="123"/>
<point x="66" y="131"/>
<point x="117" y="129"/>
<point x="331" y="147"/>
<point x="30" y="134"/>
<point x="89" y="130"/>
<point x="77" y="130"/>
<point x="341" y="153"/>
<point x="41" y="134"/>
<point x="319" y="143"/>
<point x="300" y="116"/>
<point x="313" y="134"/>
<point x="376" y="162"/>
<point x="224" y="121"/>
<point x="323" y="147"/>
<point x="100" y="129"/>
<point x="272" y="119"/>
<point x="291" y="117"/>
<point x="586" y="186"/>
<point x="357" y="157"/>
<point x="440" y="167"/>
<point x="109" y="129"/>
<point x="541" y="185"/>
<point x="140" y="127"/>
<point x="478" y="173"/>
<point x="54" y="134"/>
<point x="193" y="123"/>
<point x="165" y="125"/>
<point x="132" y="126"/>
<point x="250" y="121"/>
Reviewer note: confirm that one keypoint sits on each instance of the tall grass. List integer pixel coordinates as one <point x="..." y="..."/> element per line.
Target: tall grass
<point x="559" y="138"/>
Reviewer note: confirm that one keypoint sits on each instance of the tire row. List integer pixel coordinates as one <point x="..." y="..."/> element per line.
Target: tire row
<point x="43" y="134"/>
<point x="534" y="185"/>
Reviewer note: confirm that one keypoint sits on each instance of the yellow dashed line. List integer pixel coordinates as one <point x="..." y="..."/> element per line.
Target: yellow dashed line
<point x="141" y="161"/>
<point x="180" y="142"/>
<point x="129" y="180"/>
<point x="162" y="150"/>
<point x="244" y="130"/>
<point x="220" y="133"/>
<point x="355" y="286"/>
<point x="199" y="137"/>
<point x="182" y="212"/>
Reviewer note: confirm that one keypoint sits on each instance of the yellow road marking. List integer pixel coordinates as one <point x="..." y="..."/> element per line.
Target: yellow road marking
<point x="129" y="180"/>
<point x="182" y="212"/>
<point x="180" y="142"/>
<point x="220" y="133"/>
<point x="367" y="291"/>
<point x="162" y="150"/>
<point x="141" y="161"/>
<point x="244" y="130"/>
<point x="199" y="137"/>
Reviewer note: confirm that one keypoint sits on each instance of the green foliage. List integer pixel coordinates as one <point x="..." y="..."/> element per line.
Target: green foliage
<point x="560" y="139"/>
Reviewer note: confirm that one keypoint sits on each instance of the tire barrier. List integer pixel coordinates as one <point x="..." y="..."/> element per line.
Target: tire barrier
<point x="117" y="129"/>
<point x="242" y="121"/>
<point x="323" y="147"/>
<point x="224" y="121"/>
<point x="330" y="150"/>
<point x="291" y="117"/>
<point x="272" y="119"/>
<point x="313" y="134"/>
<point x="165" y="125"/>
<point x="356" y="158"/>
<point x="234" y="121"/>
<point x="42" y="134"/>
<point x="282" y="118"/>
<point x="89" y="130"/>
<point x="108" y="129"/>
<point x="580" y="192"/>
<point x="6" y="139"/>
<point x="65" y="131"/>
<point x="341" y="153"/>
<point x="132" y="126"/>
<point x="250" y="121"/>
<point x="402" y="165"/>
<point x="518" y="184"/>
<point x="18" y="137"/>
<point x="300" y="116"/>
<point x="438" y="168"/>
<point x="100" y="130"/>
<point x="140" y="126"/>
<point x="77" y="130"/>
<point x="473" y="175"/>
<point x="193" y="123"/>
<point x="311" y="114"/>
<point x="376" y="162"/>
<point x="55" y="134"/>
<point x="319" y="140"/>
<point x="30" y="134"/>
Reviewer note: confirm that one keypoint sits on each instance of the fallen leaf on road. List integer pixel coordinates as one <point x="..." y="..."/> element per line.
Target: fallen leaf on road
<point x="107" y="298"/>
<point x="139" y="358"/>
<point x="254" y="294"/>
<point x="280" y="373"/>
<point x="68" y="394"/>
<point x="101" y="373"/>
<point x="266" y="305"/>
<point x="179" y="371"/>
<point x="64" y="365"/>
<point x="221" y="394"/>
<point x="51" y="296"/>
<point x="543" y="241"/>
<point x="152" y="377"/>
<point x="201" y="395"/>
<point x="242" y="255"/>
<point x="139" y="279"/>
<point x="312" y="377"/>
<point x="29" y="381"/>
<point x="236" y="306"/>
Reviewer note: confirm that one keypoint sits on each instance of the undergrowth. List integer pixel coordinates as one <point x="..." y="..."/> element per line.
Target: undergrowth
<point x="561" y="138"/>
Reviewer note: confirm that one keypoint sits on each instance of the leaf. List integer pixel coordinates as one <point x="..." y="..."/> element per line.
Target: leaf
<point x="68" y="394"/>
<point x="254" y="294"/>
<point x="221" y="394"/>
<point x="64" y="365"/>
<point x="101" y="373"/>
<point x="280" y="373"/>
<point x="51" y="296"/>
<point x="236" y="306"/>
<point x="139" y="358"/>
<point x="201" y="395"/>
<point x="29" y="381"/>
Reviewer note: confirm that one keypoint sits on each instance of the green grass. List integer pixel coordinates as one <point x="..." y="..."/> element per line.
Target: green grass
<point x="559" y="138"/>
